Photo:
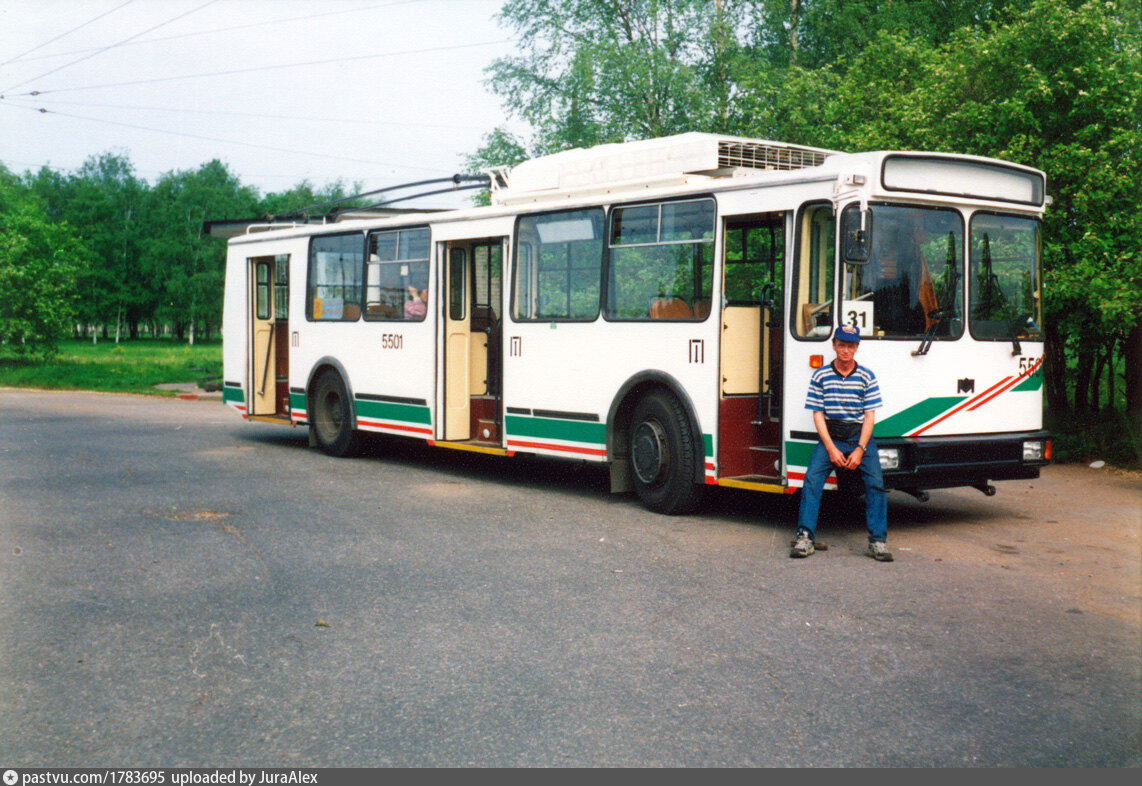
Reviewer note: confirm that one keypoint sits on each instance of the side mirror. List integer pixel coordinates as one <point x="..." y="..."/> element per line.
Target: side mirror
<point x="856" y="235"/>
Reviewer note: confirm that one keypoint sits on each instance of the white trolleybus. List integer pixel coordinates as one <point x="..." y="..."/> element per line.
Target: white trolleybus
<point x="658" y="307"/>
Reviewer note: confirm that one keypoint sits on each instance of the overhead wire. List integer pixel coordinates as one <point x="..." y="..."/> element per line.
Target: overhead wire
<point x="228" y="141"/>
<point x="112" y="46"/>
<point x="260" y="115"/>
<point x="257" y="69"/>
<point x="22" y="55"/>
<point x="134" y="39"/>
<point x="213" y="31"/>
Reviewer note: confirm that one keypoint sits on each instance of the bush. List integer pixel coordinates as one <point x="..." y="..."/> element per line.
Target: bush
<point x="1107" y="436"/>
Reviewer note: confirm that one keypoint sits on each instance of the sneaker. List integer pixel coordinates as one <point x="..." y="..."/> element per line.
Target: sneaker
<point x="879" y="552"/>
<point x="802" y="546"/>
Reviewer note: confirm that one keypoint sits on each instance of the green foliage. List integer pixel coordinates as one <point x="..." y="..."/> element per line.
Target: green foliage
<point x="591" y="71"/>
<point x="38" y="265"/>
<point x="128" y="367"/>
<point x="500" y="149"/>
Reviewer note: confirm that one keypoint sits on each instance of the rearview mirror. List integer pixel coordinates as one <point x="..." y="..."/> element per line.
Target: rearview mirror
<point x="856" y="234"/>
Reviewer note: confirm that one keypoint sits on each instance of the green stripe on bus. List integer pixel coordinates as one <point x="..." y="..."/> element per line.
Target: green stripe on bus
<point x="552" y="428"/>
<point x="388" y="410"/>
<point x="917" y="415"/>
<point x="233" y="395"/>
<point x="296" y="400"/>
<point x="797" y="453"/>
<point x="1033" y="382"/>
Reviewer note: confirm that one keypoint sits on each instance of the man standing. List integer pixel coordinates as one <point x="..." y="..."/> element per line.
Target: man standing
<point x="843" y="396"/>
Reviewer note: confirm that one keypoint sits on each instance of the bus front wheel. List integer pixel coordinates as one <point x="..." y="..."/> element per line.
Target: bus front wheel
<point x="664" y="456"/>
<point x="332" y="419"/>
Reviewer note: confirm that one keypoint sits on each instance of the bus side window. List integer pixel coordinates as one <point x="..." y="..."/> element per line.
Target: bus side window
<point x="558" y="270"/>
<point x="660" y="264"/>
<point x="812" y="314"/>
<point x="396" y="275"/>
<point x="335" y="278"/>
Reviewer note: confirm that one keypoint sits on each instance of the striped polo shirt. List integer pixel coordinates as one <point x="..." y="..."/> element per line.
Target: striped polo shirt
<point x="843" y="398"/>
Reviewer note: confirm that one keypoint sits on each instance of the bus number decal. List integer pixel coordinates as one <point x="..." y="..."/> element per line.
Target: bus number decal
<point x="858" y="314"/>
<point x="1029" y="366"/>
<point x="392" y="341"/>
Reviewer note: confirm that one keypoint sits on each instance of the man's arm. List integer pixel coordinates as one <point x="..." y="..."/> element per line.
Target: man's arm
<point x="854" y="458"/>
<point x="835" y="454"/>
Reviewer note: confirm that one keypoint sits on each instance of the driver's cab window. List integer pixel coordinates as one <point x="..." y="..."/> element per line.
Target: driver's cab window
<point x="812" y="314"/>
<point x="911" y="284"/>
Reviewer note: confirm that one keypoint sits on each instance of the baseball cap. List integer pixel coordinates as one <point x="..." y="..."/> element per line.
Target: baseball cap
<point x="847" y="333"/>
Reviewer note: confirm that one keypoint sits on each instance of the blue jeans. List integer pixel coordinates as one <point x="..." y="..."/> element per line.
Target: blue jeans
<point x="875" y="500"/>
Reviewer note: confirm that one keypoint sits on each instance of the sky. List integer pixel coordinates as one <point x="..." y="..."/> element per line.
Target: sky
<point x="374" y="93"/>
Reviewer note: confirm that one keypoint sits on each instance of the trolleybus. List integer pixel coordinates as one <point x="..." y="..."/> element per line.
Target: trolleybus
<point x="658" y="307"/>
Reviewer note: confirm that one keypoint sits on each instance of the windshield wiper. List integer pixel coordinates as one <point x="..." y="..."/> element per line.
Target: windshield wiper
<point x="937" y="316"/>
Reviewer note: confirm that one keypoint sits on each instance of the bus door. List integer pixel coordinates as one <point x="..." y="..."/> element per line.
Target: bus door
<point x="269" y="331"/>
<point x="473" y="363"/>
<point x="749" y="432"/>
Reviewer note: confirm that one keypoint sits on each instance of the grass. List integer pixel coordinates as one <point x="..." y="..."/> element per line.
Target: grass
<point x="128" y="367"/>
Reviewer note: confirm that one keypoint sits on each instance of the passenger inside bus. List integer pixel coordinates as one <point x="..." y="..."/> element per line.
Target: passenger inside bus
<point x="416" y="304"/>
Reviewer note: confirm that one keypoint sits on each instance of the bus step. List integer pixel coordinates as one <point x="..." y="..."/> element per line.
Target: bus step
<point x="754" y="483"/>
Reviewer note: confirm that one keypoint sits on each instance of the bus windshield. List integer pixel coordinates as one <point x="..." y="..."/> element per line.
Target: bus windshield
<point x="911" y="285"/>
<point x="1005" y="302"/>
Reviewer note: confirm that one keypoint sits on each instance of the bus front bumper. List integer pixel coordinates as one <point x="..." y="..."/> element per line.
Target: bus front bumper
<point x="915" y="464"/>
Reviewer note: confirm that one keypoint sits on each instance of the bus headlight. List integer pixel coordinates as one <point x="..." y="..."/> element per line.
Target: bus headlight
<point x="890" y="458"/>
<point x="1033" y="450"/>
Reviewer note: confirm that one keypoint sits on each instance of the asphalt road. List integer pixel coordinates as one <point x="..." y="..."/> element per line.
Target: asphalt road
<point x="181" y="588"/>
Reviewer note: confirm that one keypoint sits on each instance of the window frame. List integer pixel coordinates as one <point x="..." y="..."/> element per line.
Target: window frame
<point x="969" y="275"/>
<point x="426" y="261"/>
<point x="610" y="246"/>
<point x="311" y="270"/>
<point x="794" y="272"/>
<point x="519" y="248"/>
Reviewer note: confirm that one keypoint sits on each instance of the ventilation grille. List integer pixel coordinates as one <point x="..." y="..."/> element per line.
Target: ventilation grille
<point x="755" y="155"/>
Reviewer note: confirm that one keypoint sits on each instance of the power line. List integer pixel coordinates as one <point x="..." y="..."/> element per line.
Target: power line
<point x="28" y="165"/>
<point x="62" y="35"/>
<point x="112" y="46"/>
<point x="215" y="30"/>
<point x="14" y="101"/>
<point x="256" y="69"/>
<point x="231" y="141"/>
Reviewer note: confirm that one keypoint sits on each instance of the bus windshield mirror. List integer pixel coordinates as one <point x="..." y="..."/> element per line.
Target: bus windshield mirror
<point x="856" y="233"/>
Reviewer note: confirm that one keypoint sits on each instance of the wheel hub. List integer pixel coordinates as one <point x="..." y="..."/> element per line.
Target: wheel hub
<point x="648" y="451"/>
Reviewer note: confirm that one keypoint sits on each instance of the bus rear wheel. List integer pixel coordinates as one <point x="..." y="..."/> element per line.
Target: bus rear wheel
<point x="332" y="419"/>
<point x="664" y="455"/>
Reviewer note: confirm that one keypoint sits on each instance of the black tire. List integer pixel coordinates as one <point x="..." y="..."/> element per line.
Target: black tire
<point x="664" y="456"/>
<point x="331" y="418"/>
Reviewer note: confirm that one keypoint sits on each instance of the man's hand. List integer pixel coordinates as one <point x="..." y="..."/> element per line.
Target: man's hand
<point x="839" y="459"/>
<point x="853" y="460"/>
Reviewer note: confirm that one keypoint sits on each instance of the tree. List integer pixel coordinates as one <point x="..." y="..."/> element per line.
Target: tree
<point x="186" y="268"/>
<point x="38" y="264"/>
<point x="1057" y="88"/>
<point x="500" y="149"/>
<point x="303" y="196"/>
<point x="104" y="198"/>
<point x="596" y="71"/>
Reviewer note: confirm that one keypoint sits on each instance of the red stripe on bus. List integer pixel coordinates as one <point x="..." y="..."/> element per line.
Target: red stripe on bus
<point x="961" y="406"/>
<point x="1012" y="384"/>
<point x="394" y="426"/>
<point x="563" y="448"/>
